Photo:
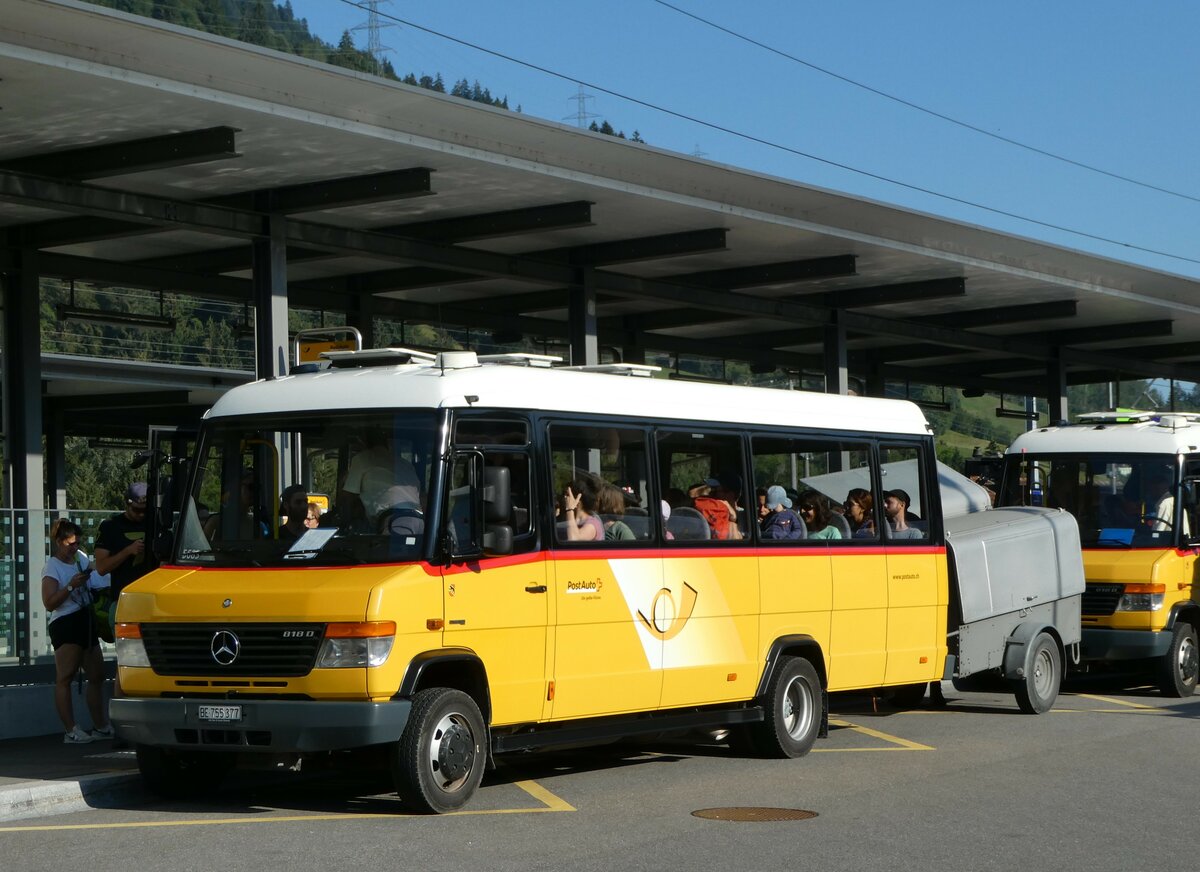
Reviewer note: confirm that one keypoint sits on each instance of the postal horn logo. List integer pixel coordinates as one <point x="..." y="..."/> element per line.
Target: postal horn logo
<point x="668" y="618"/>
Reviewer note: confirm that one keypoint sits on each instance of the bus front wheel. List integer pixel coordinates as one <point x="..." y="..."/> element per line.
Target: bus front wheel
<point x="1181" y="665"/>
<point x="793" y="704"/>
<point x="438" y="762"/>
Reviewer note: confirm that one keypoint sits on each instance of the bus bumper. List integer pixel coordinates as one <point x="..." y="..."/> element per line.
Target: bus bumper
<point x="1102" y="643"/>
<point x="267" y="726"/>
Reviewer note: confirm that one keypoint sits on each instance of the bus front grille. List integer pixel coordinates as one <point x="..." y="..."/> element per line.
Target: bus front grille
<point x="271" y="649"/>
<point x="1101" y="599"/>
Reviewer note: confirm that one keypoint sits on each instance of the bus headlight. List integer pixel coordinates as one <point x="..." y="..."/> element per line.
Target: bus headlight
<point x="1142" y="598"/>
<point x="131" y="650"/>
<point x="360" y="645"/>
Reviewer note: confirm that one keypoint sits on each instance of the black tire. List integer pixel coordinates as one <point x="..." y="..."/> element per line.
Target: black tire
<point x="793" y="704"/>
<point x="1038" y="690"/>
<point x="178" y="774"/>
<point x="905" y="696"/>
<point x="1181" y="664"/>
<point x="439" y="760"/>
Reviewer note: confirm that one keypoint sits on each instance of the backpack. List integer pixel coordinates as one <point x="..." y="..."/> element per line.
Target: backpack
<point x="102" y="605"/>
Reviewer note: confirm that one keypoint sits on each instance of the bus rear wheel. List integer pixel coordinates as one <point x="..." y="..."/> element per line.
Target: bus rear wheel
<point x="793" y="704"/>
<point x="1181" y="664"/>
<point x="1038" y="690"/>
<point x="438" y="762"/>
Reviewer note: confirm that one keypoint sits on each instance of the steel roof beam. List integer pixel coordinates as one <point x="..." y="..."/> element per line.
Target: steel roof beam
<point x="1002" y="315"/>
<point x="638" y="249"/>
<point x="131" y="156"/>
<point x="850" y="298"/>
<point x="884" y="295"/>
<point x="450" y="230"/>
<point x="383" y="187"/>
<point x="494" y="225"/>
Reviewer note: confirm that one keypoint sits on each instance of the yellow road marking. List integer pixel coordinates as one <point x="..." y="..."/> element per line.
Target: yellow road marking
<point x="1134" y="705"/>
<point x="550" y="803"/>
<point x="876" y="734"/>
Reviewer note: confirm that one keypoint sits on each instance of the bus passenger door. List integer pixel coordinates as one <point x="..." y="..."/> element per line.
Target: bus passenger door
<point x="916" y="569"/>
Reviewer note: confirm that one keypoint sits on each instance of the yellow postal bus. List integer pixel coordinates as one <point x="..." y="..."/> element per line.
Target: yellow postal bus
<point x="1130" y="480"/>
<point x="519" y="556"/>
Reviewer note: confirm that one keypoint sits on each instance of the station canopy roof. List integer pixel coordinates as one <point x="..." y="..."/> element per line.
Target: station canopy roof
<point x="142" y="154"/>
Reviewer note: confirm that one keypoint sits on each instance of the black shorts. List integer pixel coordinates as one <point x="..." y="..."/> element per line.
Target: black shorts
<point x="74" y="629"/>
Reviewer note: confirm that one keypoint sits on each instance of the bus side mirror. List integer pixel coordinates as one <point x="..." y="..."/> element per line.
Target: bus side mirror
<point x="497" y="509"/>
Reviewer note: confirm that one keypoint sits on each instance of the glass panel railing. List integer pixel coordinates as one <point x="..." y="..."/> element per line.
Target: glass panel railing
<point x="24" y="550"/>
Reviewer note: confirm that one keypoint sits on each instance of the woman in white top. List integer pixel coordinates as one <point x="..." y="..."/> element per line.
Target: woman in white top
<point x="66" y="594"/>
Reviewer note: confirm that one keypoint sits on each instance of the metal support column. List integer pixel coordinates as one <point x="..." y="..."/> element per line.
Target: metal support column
<point x="23" y="461"/>
<point x="1056" y="389"/>
<point x="581" y="320"/>
<point x="271" y="347"/>
<point x="56" y="462"/>
<point x="837" y="372"/>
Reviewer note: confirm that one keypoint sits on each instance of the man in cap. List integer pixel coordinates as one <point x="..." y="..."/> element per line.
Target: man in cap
<point x="120" y="549"/>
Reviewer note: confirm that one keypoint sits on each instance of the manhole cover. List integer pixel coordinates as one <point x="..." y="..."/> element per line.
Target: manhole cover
<point x="754" y="814"/>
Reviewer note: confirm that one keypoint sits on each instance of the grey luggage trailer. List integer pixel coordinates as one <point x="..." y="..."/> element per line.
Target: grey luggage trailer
<point x="1017" y="586"/>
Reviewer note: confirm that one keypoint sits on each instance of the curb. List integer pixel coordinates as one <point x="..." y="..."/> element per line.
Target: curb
<point x="39" y="798"/>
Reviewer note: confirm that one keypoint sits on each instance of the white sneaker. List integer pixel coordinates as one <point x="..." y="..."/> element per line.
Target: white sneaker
<point x="103" y="733"/>
<point x="76" y="737"/>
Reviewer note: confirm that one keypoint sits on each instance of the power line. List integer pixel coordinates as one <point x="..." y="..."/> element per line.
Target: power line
<point x="931" y="112"/>
<point x="779" y="146"/>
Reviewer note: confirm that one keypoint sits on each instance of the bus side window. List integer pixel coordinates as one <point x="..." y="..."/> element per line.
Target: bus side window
<point x="505" y="444"/>
<point x="828" y="484"/>
<point x="704" y="486"/>
<point x="605" y="469"/>
<point x="905" y="496"/>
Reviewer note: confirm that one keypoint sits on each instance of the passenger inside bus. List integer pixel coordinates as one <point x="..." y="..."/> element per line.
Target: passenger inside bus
<point x="720" y="514"/>
<point x="367" y="477"/>
<point x="579" y="506"/>
<point x="818" y="518"/>
<point x="860" y="513"/>
<point x="610" y="504"/>
<point x="780" y="522"/>
<point x="899" y="524"/>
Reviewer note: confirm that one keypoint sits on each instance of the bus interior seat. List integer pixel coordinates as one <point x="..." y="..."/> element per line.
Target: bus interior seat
<point x="841" y="523"/>
<point x="639" y="524"/>
<point x="687" y="523"/>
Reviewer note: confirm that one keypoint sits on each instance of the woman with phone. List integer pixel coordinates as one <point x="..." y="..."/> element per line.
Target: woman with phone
<point x="66" y="595"/>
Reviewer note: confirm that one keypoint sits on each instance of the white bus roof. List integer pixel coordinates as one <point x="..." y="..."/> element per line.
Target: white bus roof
<point x="462" y="383"/>
<point x="1137" y="434"/>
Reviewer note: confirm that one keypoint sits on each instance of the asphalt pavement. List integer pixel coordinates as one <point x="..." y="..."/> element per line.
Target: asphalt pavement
<point x="41" y="776"/>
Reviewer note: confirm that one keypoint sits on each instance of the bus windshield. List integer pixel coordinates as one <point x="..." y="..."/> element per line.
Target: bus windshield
<point x="1120" y="501"/>
<point x="327" y="489"/>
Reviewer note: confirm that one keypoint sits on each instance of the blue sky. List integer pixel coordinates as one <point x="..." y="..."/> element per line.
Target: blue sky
<point x="1104" y="83"/>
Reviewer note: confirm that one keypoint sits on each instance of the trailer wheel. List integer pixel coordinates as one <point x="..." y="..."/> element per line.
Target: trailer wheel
<point x="438" y="762"/>
<point x="793" y="705"/>
<point x="1038" y="690"/>
<point x="182" y="774"/>
<point x="1181" y="663"/>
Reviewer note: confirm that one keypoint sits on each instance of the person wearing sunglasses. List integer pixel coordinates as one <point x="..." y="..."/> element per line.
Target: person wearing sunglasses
<point x="815" y="513"/>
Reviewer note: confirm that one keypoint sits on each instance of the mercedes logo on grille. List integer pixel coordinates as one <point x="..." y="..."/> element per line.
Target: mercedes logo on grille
<point x="225" y="647"/>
